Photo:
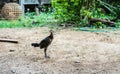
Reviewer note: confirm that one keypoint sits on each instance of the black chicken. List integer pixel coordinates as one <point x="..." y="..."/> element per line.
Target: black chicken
<point x="45" y="43"/>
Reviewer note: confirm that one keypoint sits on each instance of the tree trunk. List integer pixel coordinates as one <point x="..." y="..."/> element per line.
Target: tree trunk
<point x="108" y="22"/>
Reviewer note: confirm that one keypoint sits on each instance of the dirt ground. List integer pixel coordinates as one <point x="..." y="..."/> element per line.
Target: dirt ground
<point x="71" y="52"/>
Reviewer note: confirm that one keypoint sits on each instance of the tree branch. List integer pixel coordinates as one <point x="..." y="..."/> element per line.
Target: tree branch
<point x="9" y="41"/>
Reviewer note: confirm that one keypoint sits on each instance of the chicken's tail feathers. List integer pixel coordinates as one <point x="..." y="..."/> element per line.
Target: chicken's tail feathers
<point x="35" y="44"/>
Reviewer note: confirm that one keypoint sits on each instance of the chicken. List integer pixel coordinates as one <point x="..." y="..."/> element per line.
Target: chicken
<point x="45" y="43"/>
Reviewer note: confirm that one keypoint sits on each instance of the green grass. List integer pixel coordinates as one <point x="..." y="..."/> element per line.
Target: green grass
<point x="10" y="24"/>
<point x="30" y="20"/>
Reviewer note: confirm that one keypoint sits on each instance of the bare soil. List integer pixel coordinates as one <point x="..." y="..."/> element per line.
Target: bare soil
<point x="71" y="52"/>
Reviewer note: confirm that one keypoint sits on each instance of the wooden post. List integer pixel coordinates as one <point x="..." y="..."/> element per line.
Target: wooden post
<point x="37" y="11"/>
<point x="21" y="2"/>
<point x="9" y="41"/>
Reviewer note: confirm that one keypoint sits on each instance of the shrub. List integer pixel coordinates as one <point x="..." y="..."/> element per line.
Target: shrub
<point x="73" y="10"/>
<point x="99" y="25"/>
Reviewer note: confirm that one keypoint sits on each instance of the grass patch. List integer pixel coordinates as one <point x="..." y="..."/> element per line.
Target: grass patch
<point x="30" y="20"/>
<point x="10" y="24"/>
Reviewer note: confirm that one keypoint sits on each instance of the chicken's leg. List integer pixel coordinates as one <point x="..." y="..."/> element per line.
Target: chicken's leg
<point x="46" y="53"/>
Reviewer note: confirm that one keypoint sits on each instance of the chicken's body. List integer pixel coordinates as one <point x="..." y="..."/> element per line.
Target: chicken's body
<point x="44" y="43"/>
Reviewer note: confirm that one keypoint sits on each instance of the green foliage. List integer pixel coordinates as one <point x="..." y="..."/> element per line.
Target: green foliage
<point x="117" y="10"/>
<point x="98" y="25"/>
<point x="78" y="12"/>
<point x="86" y="13"/>
<point x="74" y="11"/>
<point x="30" y="20"/>
<point x="107" y="6"/>
<point x="118" y="23"/>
